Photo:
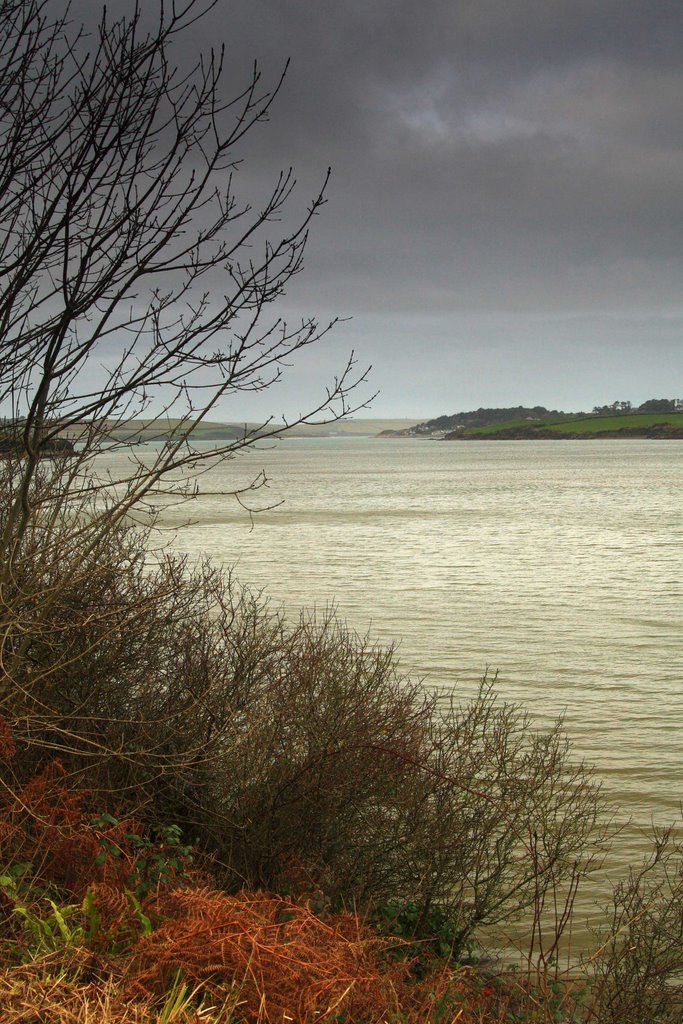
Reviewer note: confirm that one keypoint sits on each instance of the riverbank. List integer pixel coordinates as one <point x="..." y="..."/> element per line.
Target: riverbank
<point x="138" y="931"/>
<point x="656" y="432"/>
<point x="632" y="426"/>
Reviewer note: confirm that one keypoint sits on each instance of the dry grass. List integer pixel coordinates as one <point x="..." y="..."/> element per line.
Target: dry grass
<point x="285" y="962"/>
<point x="33" y="994"/>
<point x="59" y="1001"/>
<point x="40" y="993"/>
<point x="253" y="958"/>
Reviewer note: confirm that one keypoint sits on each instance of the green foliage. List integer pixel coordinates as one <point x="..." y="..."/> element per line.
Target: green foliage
<point x="426" y="929"/>
<point x="11" y="879"/>
<point x="41" y="932"/>
<point x="156" y="862"/>
<point x="177" y="1001"/>
<point x="136" y="866"/>
<point x="67" y="925"/>
<point x="489" y="417"/>
<point x="54" y="931"/>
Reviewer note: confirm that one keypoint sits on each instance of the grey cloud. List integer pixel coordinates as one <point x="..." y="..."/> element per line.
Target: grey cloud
<point x="490" y="159"/>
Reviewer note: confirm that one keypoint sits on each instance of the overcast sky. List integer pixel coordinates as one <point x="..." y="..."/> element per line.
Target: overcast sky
<point x="505" y="216"/>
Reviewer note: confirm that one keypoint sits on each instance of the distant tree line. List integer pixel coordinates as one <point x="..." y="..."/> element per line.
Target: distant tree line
<point x="483" y="417"/>
<point x="651" y="405"/>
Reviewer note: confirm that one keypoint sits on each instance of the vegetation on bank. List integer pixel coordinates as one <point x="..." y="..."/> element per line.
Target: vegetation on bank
<point x="205" y="806"/>
<point x="209" y="813"/>
<point x="532" y="421"/>
<point x="656" y="425"/>
<point x="483" y="417"/>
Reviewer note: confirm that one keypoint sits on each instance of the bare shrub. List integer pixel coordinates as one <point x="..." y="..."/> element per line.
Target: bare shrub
<point x="394" y="797"/>
<point x="286" y="748"/>
<point x="638" y="967"/>
<point x="119" y="214"/>
<point x="136" y="282"/>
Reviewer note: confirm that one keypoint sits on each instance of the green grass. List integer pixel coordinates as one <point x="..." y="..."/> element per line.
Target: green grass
<point x="585" y="425"/>
<point x="596" y="423"/>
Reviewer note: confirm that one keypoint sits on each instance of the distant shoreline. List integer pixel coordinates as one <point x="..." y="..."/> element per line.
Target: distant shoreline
<point x="658" y="432"/>
<point x="657" y="418"/>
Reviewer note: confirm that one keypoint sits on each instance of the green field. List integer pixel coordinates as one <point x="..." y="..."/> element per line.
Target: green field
<point x="596" y="423"/>
<point x="584" y="424"/>
<point x="494" y="428"/>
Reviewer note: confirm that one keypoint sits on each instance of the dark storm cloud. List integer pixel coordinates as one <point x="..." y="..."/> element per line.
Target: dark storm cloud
<point x="507" y="181"/>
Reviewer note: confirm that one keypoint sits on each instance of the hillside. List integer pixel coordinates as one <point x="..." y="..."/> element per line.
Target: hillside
<point x="646" y="425"/>
<point x="150" y="430"/>
<point x="620" y="419"/>
<point x="482" y="417"/>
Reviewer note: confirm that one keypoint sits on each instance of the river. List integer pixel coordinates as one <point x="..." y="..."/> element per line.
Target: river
<point x="556" y="564"/>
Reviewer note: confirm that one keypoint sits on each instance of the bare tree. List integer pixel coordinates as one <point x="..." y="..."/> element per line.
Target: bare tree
<point x="122" y="235"/>
<point x="133" y="283"/>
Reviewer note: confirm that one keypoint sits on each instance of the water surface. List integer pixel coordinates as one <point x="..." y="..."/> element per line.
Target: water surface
<point x="556" y="564"/>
